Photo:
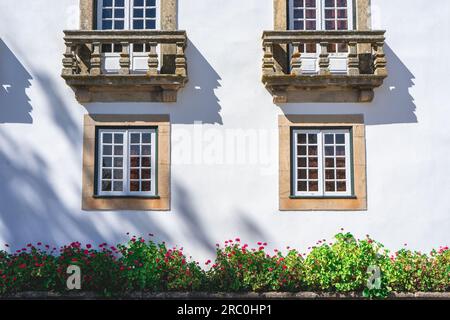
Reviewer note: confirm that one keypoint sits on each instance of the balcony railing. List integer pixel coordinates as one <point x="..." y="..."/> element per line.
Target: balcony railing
<point x="365" y="62"/>
<point x="85" y="65"/>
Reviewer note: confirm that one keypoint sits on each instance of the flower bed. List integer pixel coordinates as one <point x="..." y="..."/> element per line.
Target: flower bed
<point x="145" y="266"/>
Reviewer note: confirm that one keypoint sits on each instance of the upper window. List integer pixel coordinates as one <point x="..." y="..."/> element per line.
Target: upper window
<point x="128" y="14"/>
<point x="321" y="14"/>
<point x="321" y="163"/>
<point x="126" y="162"/>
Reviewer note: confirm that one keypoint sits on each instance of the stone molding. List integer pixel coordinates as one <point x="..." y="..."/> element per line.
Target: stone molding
<point x="90" y="202"/>
<point x="356" y="203"/>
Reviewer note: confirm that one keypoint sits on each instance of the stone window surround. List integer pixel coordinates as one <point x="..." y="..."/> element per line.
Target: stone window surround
<point x="361" y="8"/>
<point x="91" y="202"/>
<point x="168" y="14"/>
<point x="358" y="202"/>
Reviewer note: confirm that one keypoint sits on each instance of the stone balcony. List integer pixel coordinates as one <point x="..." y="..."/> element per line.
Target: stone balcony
<point x="363" y="66"/>
<point x="120" y="74"/>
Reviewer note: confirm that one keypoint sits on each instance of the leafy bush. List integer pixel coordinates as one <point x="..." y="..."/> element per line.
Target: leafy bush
<point x="341" y="266"/>
<point x="150" y="266"/>
<point x="238" y="268"/>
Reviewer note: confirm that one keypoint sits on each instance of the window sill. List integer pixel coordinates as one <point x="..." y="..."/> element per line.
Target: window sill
<point x="322" y="198"/>
<point x="126" y="197"/>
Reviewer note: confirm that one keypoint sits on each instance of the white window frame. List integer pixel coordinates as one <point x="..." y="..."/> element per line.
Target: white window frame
<point x="128" y="23"/>
<point x="320" y="14"/>
<point x="138" y="60"/>
<point x="126" y="163"/>
<point x="310" y="61"/>
<point x="321" y="132"/>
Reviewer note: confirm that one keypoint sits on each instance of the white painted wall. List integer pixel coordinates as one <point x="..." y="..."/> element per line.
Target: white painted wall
<point x="408" y="141"/>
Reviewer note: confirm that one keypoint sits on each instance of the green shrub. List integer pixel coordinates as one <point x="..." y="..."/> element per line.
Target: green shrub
<point x="238" y="268"/>
<point x="153" y="267"/>
<point x="341" y="266"/>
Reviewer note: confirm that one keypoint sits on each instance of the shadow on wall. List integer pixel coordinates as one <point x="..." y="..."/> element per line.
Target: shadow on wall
<point x="182" y="200"/>
<point x="393" y="102"/>
<point x="33" y="209"/>
<point x="197" y="102"/>
<point x="15" y="105"/>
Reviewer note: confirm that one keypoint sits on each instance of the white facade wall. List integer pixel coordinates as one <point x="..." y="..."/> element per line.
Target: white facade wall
<point x="215" y="195"/>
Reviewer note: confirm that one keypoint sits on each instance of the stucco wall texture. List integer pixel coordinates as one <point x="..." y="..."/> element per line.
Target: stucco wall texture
<point x="224" y="165"/>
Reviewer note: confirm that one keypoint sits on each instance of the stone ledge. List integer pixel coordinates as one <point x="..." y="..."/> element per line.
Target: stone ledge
<point x="323" y="88"/>
<point x="132" y="88"/>
<point x="222" y="295"/>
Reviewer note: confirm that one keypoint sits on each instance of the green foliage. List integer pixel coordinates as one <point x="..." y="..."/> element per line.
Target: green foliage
<point x="238" y="268"/>
<point x="153" y="267"/>
<point x="341" y="266"/>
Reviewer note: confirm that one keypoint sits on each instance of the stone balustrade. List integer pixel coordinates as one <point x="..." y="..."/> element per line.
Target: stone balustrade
<point x="283" y="59"/>
<point x="165" y="74"/>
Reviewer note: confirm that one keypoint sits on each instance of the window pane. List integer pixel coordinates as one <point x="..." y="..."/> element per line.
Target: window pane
<point x="301" y="150"/>
<point x="107" y="13"/>
<point x="313" y="174"/>
<point x="302" y="174"/>
<point x="118" y="162"/>
<point x="119" y="25"/>
<point x="135" y="150"/>
<point x="146" y="174"/>
<point x="138" y="13"/>
<point x="313" y="186"/>
<point x="313" y="162"/>
<point x="134" y="162"/>
<point x="107" y="150"/>
<point x="107" y="174"/>
<point x="118" y="150"/>
<point x="312" y="150"/>
<point x="302" y="186"/>
<point x="106" y="186"/>
<point x="134" y="186"/>
<point x="119" y="13"/>
<point x="330" y="186"/>
<point x="341" y="186"/>
<point x="145" y="186"/>
<point x="150" y="13"/>
<point x="146" y="150"/>
<point x="150" y="24"/>
<point x="301" y="163"/>
<point x="146" y="162"/>
<point x="107" y="162"/>
<point x="134" y="174"/>
<point x="118" y="186"/>
<point x="118" y="174"/>
<point x="135" y="138"/>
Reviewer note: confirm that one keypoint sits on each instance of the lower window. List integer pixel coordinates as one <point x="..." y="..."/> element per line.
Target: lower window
<point x="126" y="164"/>
<point x="321" y="163"/>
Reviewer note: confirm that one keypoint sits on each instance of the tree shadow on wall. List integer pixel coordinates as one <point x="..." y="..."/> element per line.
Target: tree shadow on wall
<point x="15" y="105"/>
<point x="392" y="104"/>
<point x="197" y="102"/>
<point x="32" y="208"/>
